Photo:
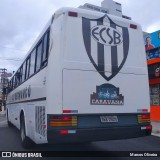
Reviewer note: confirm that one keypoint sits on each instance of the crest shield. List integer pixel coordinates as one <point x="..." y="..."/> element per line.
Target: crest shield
<point x="107" y="45"/>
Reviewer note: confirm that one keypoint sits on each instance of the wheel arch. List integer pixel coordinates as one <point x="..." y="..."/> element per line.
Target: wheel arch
<point x="22" y="113"/>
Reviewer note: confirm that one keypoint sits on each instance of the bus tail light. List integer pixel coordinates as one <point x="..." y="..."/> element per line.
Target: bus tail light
<point x="70" y="111"/>
<point x="142" y="110"/>
<point x="149" y="127"/>
<point x="61" y="121"/>
<point x="73" y="14"/>
<point x="63" y="131"/>
<point x="133" y="26"/>
<point x="145" y="118"/>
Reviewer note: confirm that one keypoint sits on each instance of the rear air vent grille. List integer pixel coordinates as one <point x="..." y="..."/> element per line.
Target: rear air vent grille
<point x="40" y="120"/>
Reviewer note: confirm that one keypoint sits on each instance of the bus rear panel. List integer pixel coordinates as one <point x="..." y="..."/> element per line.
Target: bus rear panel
<point x="104" y="92"/>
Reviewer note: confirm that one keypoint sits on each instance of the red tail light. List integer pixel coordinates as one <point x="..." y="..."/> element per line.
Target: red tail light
<point x="67" y="118"/>
<point x="63" y="131"/>
<point x="144" y="110"/>
<point x="133" y="26"/>
<point x="73" y="14"/>
<point x="149" y="127"/>
<point x="66" y="111"/>
<point x="61" y="121"/>
<point x="145" y="116"/>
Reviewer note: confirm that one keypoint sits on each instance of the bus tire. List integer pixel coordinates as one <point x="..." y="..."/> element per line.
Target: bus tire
<point x="10" y="124"/>
<point x="26" y="142"/>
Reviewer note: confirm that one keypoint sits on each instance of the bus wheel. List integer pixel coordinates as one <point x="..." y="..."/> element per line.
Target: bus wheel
<point x="10" y="124"/>
<point x="26" y="142"/>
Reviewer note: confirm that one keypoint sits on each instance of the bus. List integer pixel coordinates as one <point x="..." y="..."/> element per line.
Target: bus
<point x="84" y="79"/>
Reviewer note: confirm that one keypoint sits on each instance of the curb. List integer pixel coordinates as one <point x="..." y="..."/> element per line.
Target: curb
<point x="3" y="123"/>
<point x="2" y="115"/>
<point x="156" y="134"/>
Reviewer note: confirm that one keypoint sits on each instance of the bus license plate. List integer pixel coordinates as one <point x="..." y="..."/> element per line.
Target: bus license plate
<point x="108" y="119"/>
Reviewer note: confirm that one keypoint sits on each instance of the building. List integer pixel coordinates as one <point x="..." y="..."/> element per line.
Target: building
<point x="3" y="85"/>
<point x="152" y="46"/>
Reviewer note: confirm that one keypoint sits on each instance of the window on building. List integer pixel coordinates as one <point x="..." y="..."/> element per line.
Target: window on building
<point x="155" y="95"/>
<point x="154" y="71"/>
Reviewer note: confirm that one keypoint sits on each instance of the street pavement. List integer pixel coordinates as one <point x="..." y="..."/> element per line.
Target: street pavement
<point x="10" y="141"/>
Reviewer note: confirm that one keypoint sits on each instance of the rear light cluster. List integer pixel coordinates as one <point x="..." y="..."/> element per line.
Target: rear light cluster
<point x="148" y="128"/>
<point x="133" y="26"/>
<point x="145" y="118"/>
<point x="61" y="121"/>
<point x="70" y="111"/>
<point x="73" y="14"/>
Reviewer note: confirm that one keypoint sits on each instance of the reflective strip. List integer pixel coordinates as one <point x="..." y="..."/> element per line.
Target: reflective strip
<point x="143" y="128"/>
<point x="147" y="127"/>
<point x="70" y="111"/>
<point x="71" y="131"/>
<point x="142" y="110"/>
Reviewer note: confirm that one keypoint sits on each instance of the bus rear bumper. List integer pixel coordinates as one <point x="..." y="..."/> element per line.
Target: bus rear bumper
<point x="94" y="134"/>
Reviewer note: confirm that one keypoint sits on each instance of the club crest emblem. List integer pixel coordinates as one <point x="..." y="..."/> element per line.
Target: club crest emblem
<point x="107" y="45"/>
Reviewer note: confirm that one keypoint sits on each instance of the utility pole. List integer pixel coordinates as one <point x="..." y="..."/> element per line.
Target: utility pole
<point x="4" y="81"/>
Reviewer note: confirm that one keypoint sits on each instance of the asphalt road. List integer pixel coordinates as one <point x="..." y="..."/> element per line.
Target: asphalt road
<point x="10" y="141"/>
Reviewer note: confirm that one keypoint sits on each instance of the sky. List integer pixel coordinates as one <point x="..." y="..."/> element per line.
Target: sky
<point x="21" y="21"/>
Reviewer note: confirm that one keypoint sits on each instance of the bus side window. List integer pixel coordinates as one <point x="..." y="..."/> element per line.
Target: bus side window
<point x="32" y="62"/>
<point x="38" y="57"/>
<point x="27" y="67"/>
<point x="23" y="72"/>
<point x="9" y="86"/>
<point x="45" y="49"/>
<point x="18" y="77"/>
<point x="15" y="81"/>
<point x="12" y="84"/>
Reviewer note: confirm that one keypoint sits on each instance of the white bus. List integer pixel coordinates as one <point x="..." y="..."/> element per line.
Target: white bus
<point x="84" y="79"/>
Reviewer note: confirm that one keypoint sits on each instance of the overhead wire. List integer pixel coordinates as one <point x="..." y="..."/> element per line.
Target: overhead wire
<point x="10" y="59"/>
<point x="13" y="48"/>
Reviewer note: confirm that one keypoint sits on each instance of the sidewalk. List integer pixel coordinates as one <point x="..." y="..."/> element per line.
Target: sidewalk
<point x="2" y="113"/>
<point x="3" y="120"/>
<point x="155" y="128"/>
